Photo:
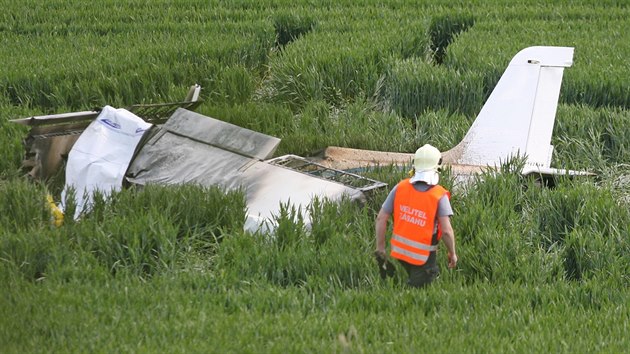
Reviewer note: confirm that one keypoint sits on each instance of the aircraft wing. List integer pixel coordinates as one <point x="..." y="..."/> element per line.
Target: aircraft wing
<point x="193" y="148"/>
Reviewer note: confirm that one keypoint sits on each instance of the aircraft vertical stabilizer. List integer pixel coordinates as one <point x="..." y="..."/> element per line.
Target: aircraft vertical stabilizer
<point x="518" y="117"/>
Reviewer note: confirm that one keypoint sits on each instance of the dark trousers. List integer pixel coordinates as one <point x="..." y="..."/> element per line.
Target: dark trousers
<point x="419" y="276"/>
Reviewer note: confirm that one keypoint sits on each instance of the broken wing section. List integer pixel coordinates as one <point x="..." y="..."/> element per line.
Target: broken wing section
<point x="192" y="148"/>
<point x="51" y="137"/>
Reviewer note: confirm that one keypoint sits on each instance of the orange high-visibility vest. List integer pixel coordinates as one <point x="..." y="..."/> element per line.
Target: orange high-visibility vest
<point x="414" y="222"/>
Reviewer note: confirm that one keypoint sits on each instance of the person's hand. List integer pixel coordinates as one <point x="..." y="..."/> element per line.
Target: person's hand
<point x="452" y="260"/>
<point x="380" y="254"/>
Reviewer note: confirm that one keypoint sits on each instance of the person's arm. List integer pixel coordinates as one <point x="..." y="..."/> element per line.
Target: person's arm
<point x="381" y="227"/>
<point x="448" y="236"/>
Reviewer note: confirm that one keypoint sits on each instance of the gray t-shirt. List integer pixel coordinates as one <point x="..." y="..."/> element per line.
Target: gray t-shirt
<point x="444" y="205"/>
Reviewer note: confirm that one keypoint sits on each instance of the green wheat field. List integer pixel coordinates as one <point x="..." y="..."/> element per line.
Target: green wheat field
<point x="170" y="269"/>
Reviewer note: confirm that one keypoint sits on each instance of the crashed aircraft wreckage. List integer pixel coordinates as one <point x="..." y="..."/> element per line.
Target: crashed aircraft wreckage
<point x="188" y="148"/>
<point x="516" y="120"/>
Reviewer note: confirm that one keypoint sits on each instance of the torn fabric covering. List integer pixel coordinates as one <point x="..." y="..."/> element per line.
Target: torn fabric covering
<point x="100" y="157"/>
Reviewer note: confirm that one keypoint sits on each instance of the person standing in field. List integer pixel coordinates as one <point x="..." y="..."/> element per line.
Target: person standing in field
<point x="422" y="211"/>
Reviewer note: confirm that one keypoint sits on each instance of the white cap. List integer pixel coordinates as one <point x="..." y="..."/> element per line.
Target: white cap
<point x="426" y="162"/>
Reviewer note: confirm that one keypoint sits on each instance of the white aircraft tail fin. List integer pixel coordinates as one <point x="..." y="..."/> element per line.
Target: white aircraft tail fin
<point x="518" y="117"/>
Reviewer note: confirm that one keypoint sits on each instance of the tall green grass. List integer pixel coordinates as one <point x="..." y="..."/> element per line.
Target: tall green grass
<point x="341" y="60"/>
<point x="134" y="232"/>
<point x="297" y="256"/>
<point x="106" y="54"/>
<point x="413" y="87"/>
<point x="593" y="79"/>
<point x="170" y="269"/>
<point x="591" y="138"/>
<point x="539" y="235"/>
